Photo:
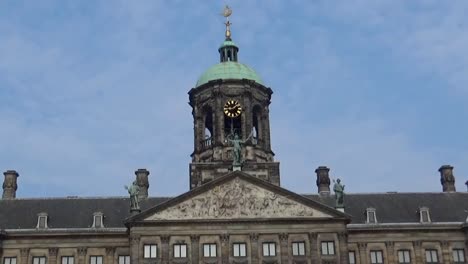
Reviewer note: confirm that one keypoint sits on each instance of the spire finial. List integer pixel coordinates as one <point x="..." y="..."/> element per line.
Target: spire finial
<point x="226" y="13"/>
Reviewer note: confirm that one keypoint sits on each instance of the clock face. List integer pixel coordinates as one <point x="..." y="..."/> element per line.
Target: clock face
<point x="232" y="108"/>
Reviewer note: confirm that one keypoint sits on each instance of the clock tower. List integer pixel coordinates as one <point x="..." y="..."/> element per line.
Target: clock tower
<point x="230" y="102"/>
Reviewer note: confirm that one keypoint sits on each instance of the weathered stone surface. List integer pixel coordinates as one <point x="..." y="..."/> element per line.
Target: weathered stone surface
<point x="237" y="199"/>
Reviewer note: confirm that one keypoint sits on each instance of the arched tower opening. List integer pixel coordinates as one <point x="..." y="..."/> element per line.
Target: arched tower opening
<point x="256" y="124"/>
<point x="208" y="126"/>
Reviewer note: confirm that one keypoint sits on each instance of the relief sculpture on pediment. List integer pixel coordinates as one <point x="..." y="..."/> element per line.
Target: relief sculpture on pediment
<point x="236" y="199"/>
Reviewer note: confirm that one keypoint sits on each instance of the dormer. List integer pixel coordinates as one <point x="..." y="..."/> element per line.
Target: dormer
<point x="371" y="216"/>
<point x="424" y="216"/>
<point x="98" y="220"/>
<point x="42" y="219"/>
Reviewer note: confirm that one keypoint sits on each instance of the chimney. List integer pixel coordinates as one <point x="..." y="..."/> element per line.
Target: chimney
<point x="447" y="179"/>
<point x="9" y="184"/>
<point x="142" y="180"/>
<point x="323" y="180"/>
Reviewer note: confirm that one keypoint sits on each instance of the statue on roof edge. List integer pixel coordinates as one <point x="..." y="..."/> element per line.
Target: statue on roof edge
<point x="338" y="188"/>
<point x="133" y="190"/>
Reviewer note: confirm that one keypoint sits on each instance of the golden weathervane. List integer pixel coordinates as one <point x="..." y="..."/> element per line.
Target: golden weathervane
<point x="226" y="13"/>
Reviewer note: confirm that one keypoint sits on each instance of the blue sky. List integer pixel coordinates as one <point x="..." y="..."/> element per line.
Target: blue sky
<point x="90" y="91"/>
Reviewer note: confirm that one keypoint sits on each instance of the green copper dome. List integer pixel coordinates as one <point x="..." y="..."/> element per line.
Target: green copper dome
<point x="229" y="70"/>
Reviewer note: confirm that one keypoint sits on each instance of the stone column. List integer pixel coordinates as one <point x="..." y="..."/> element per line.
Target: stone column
<point x="314" y="258"/>
<point x="82" y="251"/>
<point x="24" y="253"/>
<point x="165" y="258"/>
<point x="110" y="254"/>
<point x="218" y="120"/>
<point x="390" y="251"/>
<point x="247" y="112"/>
<point x="266" y="127"/>
<point x="284" y="247"/>
<point x="134" y="249"/>
<point x="254" y="248"/>
<point x="224" y="248"/>
<point x="417" y="252"/>
<point x="343" y="241"/>
<point x="195" y="248"/>
<point x="362" y="253"/>
<point x="446" y="252"/>
<point x="52" y="256"/>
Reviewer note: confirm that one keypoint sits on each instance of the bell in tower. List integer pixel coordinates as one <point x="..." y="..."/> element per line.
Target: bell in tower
<point x="230" y="108"/>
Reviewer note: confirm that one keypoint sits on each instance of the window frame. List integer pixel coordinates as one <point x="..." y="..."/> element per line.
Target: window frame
<point x="377" y="254"/>
<point x="373" y="212"/>
<point x="9" y="260"/>
<point x="125" y="258"/>
<point x="298" y="244"/>
<point x="39" y="258"/>
<point x="151" y="247"/>
<point x="96" y="257"/>
<point x="462" y="255"/>
<point x="68" y="258"/>
<point x="422" y="211"/>
<point x="179" y="246"/>
<point x="42" y="216"/>
<point x="239" y="244"/>
<point x="209" y="246"/>
<point x="431" y="251"/>
<point x="270" y="253"/>
<point x="353" y="258"/>
<point x="327" y="251"/>
<point x="403" y="251"/>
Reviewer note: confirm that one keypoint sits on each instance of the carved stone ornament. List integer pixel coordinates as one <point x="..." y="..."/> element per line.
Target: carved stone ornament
<point x="110" y="251"/>
<point x="165" y="239"/>
<point x="134" y="239"/>
<point x="362" y="246"/>
<point x="194" y="238"/>
<point x="24" y="252"/>
<point x="417" y="243"/>
<point x="224" y="237"/>
<point x="82" y="251"/>
<point x="390" y="244"/>
<point x="53" y="252"/>
<point x="253" y="236"/>
<point x="237" y="199"/>
<point x="283" y="236"/>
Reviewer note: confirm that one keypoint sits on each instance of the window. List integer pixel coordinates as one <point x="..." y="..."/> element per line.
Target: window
<point x="352" y="257"/>
<point x="41" y="220"/>
<point x="458" y="255"/>
<point x="68" y="260"/>
<point x="404" y="256"/>
<point x="239" y="250"/>
<point x="328" y="248"/>
<point x="95" y="260"/>
<point x="298" y="249"/>
<point x="9" y="260"/>
<point x="38" y="260"/>
<point x="209" y="250"/>
<point x="269" y="249"/>
<point x="431" y="256"/>
<point x="424" y="216"/>
<point x="376" y="257"/>
<point x="371" y="216"/>
<point x="97" y="220"/>
<point x="150" y="251"/>
<point x="180" y="251"/>
<point x="124" y="259"/>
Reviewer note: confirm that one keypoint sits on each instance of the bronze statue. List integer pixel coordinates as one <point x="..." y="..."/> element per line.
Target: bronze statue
<point x="237" y="149"/>
<point x="339" y="193"/>
<point x="133" y="190"/>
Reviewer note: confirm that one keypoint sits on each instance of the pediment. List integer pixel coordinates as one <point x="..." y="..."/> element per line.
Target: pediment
<point x="240" y="198"/>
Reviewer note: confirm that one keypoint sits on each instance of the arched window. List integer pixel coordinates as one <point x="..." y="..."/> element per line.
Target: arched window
<point x="208" y="126"/>
<point x="256" y="124"/>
